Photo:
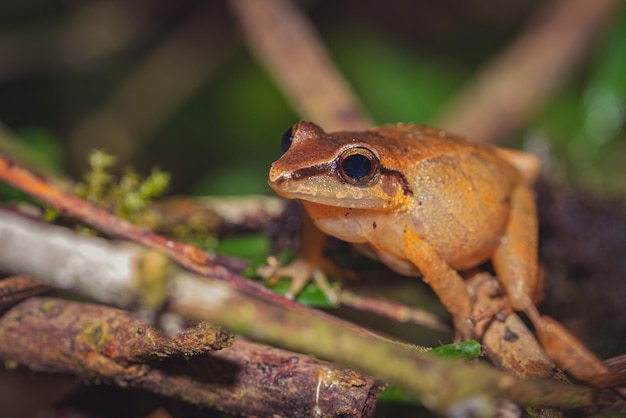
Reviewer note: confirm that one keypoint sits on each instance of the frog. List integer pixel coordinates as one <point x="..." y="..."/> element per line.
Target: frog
<point x="432" y="204"/>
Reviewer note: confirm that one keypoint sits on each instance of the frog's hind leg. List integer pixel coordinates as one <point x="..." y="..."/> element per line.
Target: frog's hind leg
<point x="515" y="259"/>
<point x="516" y="265"/>
<point x="444" y="280"/>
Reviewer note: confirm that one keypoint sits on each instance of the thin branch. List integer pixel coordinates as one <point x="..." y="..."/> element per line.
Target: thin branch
<point x="218" y="214"/>
<point x="509" y="90"/>
<point x="287" y="43"/>
<point x="393" y="310"/>
<point x="14" y="289"/>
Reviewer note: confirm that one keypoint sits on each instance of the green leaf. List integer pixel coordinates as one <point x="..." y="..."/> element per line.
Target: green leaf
<point x="311" y="295"/>
<point x="467" y="350"/>
<point x="252" y="246"/>
<point x="397" y="394"/>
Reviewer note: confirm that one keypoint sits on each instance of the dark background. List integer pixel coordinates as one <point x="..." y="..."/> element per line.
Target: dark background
<point x="78" y="75"/>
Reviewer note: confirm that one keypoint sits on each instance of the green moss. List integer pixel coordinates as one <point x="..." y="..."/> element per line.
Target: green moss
<point x="48" y="306"/>
<point x="128" y="196"/>
<point x="96" y="335"/>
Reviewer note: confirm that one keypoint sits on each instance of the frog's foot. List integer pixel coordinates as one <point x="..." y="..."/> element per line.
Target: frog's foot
<point x="565" y="350"/>
<point x="569" y="354"/>
<point x="302" y="271"/>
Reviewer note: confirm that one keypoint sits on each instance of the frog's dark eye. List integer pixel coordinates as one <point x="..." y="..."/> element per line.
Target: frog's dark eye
<point x="287" y="139"/>
<point x="359" y="166"/>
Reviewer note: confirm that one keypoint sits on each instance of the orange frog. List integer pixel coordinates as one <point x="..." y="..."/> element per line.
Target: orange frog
<point x="430" y="203"/>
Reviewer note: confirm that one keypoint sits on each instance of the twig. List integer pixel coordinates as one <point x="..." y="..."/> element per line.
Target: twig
<point x="14" y="289"/>
<point x="219" y="214"/>
<point x="14" y="148"/>
<point x="506" y="93"/>
<point x="287" y="43"/>
<point x="393" y="310"/>
<point x="103" y="343"/>
<point x="439" y="383"/>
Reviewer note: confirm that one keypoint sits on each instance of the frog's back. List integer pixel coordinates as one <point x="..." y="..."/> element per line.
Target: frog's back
<point x="461" y="191"/>
<point x="420" y="142"/>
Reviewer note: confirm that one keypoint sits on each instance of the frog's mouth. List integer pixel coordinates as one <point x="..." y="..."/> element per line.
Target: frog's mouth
<point x="315" y="184"/>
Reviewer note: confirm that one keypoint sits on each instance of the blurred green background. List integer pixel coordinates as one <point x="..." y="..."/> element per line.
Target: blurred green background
<point x="171" y="84"/>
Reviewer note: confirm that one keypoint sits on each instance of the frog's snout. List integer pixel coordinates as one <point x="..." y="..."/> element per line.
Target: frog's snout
<point x="274" y="176"/>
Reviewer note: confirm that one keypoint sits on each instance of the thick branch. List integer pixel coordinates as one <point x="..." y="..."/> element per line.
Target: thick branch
<point x="102" y="343"/>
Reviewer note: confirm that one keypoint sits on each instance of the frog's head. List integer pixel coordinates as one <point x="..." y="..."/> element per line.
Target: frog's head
<point x="342" y="169"/>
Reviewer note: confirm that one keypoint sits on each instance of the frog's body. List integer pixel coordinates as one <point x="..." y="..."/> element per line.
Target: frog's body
<point x="453" y="194"/>
<point x="430" y="203"/>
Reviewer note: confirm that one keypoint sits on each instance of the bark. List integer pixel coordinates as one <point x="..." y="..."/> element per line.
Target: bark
<point x="200" y="366"/>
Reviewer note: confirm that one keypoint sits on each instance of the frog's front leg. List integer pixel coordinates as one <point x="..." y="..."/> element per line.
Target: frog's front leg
<point x="444" y="281"/>
<point x="310" y="264"/>
<point x="516" y="265"/>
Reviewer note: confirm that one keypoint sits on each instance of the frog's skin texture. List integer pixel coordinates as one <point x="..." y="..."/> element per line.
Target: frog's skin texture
<point x="430" y="203"/>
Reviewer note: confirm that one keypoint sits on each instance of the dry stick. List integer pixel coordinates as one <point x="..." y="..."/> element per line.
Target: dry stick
<point x="393" y="310"/>
<point x="505" y="94"/>
<point x="14" y="289"/>
<point x="67" y="259"/>
<point x="241" y="378"/>
<point x="218" y="214"/>
<point x="286" y="42"/>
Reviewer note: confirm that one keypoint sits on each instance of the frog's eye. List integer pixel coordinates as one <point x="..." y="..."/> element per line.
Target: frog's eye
<point x="359" y="166"/>
<point x="287" y="139"/>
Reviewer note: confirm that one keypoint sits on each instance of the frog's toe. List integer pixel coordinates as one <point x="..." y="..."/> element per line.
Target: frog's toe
<point x="301" y="272"/>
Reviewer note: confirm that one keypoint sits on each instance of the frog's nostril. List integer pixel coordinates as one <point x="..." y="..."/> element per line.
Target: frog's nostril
<point x="273" y="175"/>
